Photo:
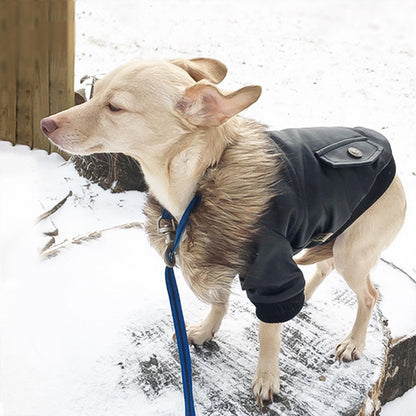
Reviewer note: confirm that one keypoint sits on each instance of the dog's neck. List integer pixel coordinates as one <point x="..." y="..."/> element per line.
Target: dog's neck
<point x="173" y="177"/>
<point x="174" y="189"/>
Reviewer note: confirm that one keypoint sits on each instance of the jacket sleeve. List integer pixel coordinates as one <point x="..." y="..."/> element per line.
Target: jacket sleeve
<point x="273" y="282"/>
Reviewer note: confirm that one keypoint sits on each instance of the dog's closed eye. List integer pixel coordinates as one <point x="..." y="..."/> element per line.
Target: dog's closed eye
<point x="113" y="108"/>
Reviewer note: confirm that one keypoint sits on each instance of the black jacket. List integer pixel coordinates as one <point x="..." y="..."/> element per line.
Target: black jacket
<point x="329" y="177"/>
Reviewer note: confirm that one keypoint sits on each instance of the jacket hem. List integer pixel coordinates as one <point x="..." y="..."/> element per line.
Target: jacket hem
<point x="280" y="312"/>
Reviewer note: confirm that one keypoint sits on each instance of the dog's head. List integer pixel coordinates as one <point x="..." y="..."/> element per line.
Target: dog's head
<point x="142" y="106"/>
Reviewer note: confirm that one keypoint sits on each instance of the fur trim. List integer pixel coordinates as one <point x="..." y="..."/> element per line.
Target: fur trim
<point x="235" y="193"/>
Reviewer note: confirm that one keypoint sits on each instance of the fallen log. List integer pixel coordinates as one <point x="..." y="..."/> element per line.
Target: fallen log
<point x="400" y="370"/>
<point x="113" y="171"/>
<point x="313" y="383"/>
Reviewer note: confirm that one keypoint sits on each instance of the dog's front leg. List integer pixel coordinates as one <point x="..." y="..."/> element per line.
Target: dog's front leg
<point x="200" y="333"/>
<point x="266" y="381"/>
<point x="205" y="331"/>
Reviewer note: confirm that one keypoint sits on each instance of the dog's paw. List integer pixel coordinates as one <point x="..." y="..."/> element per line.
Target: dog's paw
<point x="265" y="386"/>
<point x="199" y="333"/>
<point x="348" y="350"/>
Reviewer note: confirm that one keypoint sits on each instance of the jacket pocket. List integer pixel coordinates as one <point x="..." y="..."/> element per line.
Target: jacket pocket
<point x="355" y="151"/>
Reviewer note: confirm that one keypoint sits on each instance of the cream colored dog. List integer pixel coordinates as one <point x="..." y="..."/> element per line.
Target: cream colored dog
<point x="185" y="134"/>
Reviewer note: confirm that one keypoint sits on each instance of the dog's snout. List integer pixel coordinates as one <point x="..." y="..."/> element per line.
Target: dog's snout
<point x="48" y="126"/>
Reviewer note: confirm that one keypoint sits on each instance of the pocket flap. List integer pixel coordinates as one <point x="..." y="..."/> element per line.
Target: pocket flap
<point x="356" y="151"/>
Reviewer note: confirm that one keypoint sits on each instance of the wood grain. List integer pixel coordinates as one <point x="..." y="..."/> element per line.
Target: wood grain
<point x="61" y="57"/>
<point x="8" y="69"/>
<point x="25" y="57"/>
<point x="40" y="73"/>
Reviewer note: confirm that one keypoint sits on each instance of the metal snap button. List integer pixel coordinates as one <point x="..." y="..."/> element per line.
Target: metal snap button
<point x="354" y="152"/>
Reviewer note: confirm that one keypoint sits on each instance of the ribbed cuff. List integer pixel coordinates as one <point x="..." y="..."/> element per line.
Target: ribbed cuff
<point x="280" y="312"/>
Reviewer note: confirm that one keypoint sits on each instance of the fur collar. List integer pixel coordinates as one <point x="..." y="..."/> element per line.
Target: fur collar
<point x="235" y="193"/>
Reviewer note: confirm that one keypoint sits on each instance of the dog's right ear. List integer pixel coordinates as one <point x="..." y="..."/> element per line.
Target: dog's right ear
<point x="202" y="68"/>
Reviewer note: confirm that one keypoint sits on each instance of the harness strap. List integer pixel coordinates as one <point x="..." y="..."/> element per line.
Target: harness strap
<point x="176" y="308"/>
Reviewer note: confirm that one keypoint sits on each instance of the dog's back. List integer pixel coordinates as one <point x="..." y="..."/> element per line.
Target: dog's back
<point x="332" y="175"/>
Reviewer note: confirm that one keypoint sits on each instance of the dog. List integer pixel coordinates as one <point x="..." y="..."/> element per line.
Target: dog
<point x="187" y="135"/>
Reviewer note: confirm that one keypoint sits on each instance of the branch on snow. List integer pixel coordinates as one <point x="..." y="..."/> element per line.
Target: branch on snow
<point x="52" y="250"/>
<point x="53" y="209"/>
<point x="398" y="268"/>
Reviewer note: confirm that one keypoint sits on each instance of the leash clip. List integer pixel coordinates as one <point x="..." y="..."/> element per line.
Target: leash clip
<point x="167" y="227"/>
<point x="169" y="256"/>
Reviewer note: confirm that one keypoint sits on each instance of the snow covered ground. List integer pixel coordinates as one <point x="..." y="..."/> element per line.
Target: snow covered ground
<point x="319" y="63"/>
<point x="67" y="322"/>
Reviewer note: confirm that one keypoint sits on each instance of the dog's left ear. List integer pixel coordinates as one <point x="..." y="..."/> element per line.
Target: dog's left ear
<point x="202" y="68"/>
<point x="204" y="105"/>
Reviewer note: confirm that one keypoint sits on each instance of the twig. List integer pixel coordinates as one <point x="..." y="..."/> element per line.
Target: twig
<point x="52" y="251"/>
<point x="53" y="209"/>
<point x="390" y="263"/>
<point x="48" y="245"/>
<point x="53" y="233"/>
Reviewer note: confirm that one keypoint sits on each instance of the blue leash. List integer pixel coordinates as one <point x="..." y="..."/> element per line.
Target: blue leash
<point x="174" y="298"/>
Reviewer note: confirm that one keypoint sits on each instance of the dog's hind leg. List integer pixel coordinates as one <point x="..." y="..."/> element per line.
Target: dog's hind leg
<point x="353" y="345"/>
<point x="266" y="380"/>
<point x="357" y="250"/>
<point x="323" y="268"/>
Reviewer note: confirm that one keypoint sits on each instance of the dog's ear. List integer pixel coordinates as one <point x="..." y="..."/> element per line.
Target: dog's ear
<point x="203" y="68"/>
<point x="204" y="105"/>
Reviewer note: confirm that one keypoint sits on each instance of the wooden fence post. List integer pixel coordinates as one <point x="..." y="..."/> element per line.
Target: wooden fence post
<point x="61" y="56"/>
<point x="8" y="69"/>
<point x="37" y="41"/>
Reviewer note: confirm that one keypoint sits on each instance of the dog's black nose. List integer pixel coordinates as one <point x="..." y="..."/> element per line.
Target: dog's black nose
<point x="48" y="126"/>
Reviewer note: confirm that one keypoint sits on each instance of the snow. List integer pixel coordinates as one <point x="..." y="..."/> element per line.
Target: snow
<point x="64" y="319"/>
<point x="319" y="63"/>
<point x="58" y="312"/>
<point x="394" y="286"/>
<point x="402" y="406"/>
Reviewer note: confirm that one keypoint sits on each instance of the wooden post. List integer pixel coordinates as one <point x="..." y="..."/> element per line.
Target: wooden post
<point x="61" y="56"/>
<point x="8" y="69"/>
<point x="36" y="66"/>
